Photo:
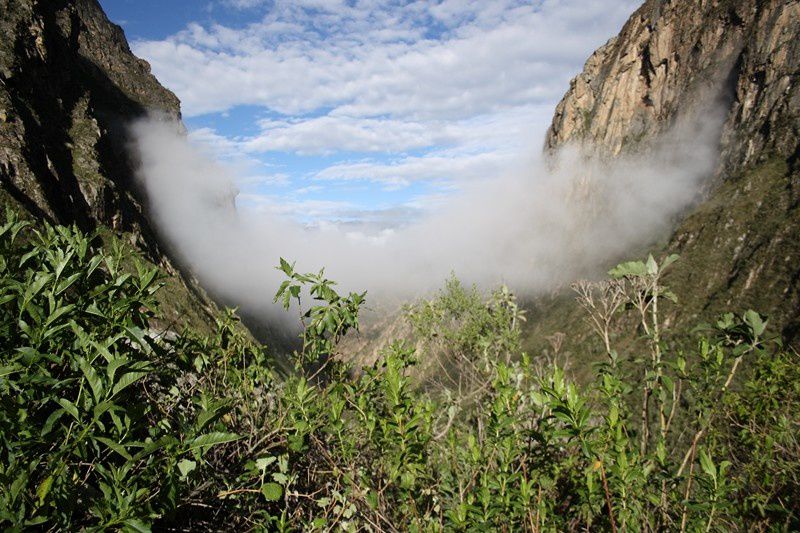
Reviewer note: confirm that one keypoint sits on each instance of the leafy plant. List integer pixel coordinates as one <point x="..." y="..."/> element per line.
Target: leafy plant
<point x="108" y="424"/>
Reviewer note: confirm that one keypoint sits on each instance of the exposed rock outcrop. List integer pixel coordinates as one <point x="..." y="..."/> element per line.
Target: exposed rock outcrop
<point x="667" y="54"/>
<point x="69" y="85"/>
<point x="740" y="246"/>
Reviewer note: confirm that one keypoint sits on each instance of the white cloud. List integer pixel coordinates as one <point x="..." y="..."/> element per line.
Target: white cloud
<point x="313" y="209"/>
<point x="334" y="133"/>
<point x="243" y="4"/>
<point x="446" y="60"/>
<point x="328" y="134"/>
<point x="445" y="92"/>
<point x="437" y="167"/>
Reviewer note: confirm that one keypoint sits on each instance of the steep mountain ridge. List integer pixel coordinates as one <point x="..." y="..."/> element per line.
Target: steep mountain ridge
<point x="69" y="86"/>
<point x="740" y="245"/>
<point x="635" y="86"/>
<point x="740" y="242"/>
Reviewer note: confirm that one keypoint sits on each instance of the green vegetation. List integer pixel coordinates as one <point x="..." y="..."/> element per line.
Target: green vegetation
<point x="106" y="423"/>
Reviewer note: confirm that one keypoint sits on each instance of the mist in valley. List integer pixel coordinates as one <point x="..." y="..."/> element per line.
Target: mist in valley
<point x="552" y="219"/>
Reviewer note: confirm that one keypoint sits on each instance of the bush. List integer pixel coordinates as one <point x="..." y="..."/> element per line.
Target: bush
<point x="105" y="423"/>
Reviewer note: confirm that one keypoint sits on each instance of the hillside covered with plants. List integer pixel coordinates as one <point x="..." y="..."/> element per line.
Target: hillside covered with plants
<point x="106" y="422"/>
<point x="663" y="395"/>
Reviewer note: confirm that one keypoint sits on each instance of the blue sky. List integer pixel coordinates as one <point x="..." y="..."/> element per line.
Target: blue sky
<point x="366" y="111"/>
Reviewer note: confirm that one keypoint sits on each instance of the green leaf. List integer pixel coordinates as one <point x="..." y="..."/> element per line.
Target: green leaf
<point x="91" y="376"/>
<point x="208" y="416"/>
<point x="669" y="295"/>
<point x="54" y="416"/>
<point x="707" y="464"/>
<point x="628" y="269"/>
<point x="101" y="408"/>
<point x="114" y="364"/>
<point x="44" y="489"/>
<point x="8" y="370"/>
<point x="756" y="323"/>
<point x="141" y="339"/>
<point x="263" y="462"/>
<point x="186" y="466"/>
<point x="132" y="524"/>
<point x="272" y="491"/>
<point x="35" y="521"/>
<point x="66" y="283"/>
<point x="652" y="266"/>
<point x="212" y="439"/>
<point x="613" y="415"/>
<point x="69" y="407"/>
<point x="115" y="447"/>
<point x="669" y="260"/>
<point x="126" y="380"/>
<point x="287" y="268"/>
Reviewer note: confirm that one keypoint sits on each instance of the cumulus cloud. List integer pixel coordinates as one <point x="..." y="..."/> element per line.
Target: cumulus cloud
<point x="425" y="59"/>
<point x="387" y="93"/>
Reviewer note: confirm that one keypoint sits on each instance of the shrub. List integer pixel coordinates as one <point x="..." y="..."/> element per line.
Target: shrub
<point x="105" y="423"/>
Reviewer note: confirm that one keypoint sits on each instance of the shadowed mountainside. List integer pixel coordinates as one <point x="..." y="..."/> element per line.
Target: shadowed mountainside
<point x="69" y="85"/>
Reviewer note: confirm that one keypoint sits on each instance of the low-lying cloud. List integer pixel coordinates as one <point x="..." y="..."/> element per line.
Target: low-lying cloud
<point x="532" y="229"/>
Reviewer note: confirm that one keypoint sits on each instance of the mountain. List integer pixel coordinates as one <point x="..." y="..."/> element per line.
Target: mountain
<point x="740" y="243"/>
<point x="69" y="86"/>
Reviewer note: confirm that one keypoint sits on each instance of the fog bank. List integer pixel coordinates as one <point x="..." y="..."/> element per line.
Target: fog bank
<point x="533" y="228"/>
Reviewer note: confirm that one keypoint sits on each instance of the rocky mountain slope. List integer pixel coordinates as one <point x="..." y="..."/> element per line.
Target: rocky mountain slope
<point x="740" y="246"/>
<point x="69" y="85"/>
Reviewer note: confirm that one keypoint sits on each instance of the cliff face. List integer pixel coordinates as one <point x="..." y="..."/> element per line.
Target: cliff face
<point x="740" y="246"/>
<point x="667" y="54"/>
<point x="69" y="85"/>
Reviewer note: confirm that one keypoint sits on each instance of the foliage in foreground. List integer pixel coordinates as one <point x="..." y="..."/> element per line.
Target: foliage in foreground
<point x="106" y="423"/>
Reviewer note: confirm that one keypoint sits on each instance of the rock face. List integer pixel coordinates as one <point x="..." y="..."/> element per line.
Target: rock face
<point x="69" y="85"/>
<point x="635" y="86"/>
<point x="740" y="247"/>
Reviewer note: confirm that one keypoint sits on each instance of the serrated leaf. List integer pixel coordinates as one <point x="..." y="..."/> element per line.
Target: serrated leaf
<point x="628" y="269"/>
